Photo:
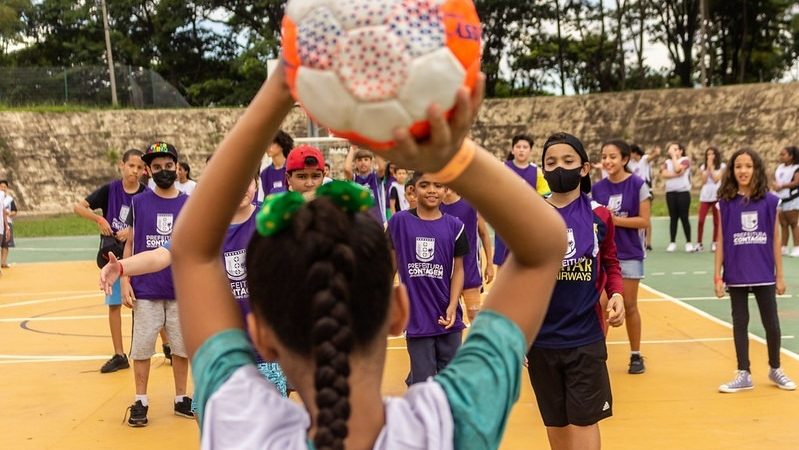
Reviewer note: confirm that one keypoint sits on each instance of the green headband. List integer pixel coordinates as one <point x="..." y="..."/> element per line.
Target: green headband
<point x="278" y="209"/>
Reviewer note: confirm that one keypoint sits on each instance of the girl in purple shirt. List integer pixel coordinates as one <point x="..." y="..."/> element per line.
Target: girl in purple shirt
<point x="748" y="249"/>
<point x="626" y="196"/>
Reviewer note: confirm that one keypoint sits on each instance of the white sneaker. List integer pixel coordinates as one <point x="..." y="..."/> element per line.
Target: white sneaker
<point x="698" y="248"/>
<point x="671" y="247"/>
<point x="688" y="247"/>
<point x="785" y="251"/>
<point x="795" y="252"/>
<point x="713" y="247"/>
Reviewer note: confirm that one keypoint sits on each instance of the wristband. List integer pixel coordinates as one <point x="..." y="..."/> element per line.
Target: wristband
<point x="458" y="164"/>
<point x="716" y="279"/>
<point x="121" y="269"/>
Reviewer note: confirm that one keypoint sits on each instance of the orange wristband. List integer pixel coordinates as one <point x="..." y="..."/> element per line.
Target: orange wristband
<point x="121" y="269"/>
<point x="458" y="164"/>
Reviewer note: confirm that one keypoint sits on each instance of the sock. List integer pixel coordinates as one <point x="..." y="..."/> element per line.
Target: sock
<point x="143" y="399"/>
<point x="635" y="353"/>
<point x="179" y="398"/>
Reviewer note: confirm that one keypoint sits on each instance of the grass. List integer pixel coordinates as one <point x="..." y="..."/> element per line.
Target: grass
<point x="62" y="225"/>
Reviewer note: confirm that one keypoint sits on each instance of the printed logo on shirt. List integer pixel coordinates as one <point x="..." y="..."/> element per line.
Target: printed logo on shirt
<point x="571" y="247"/>
<point x="163" y="223"/>
<point x="614" y="202"/>
<point x="277" y="184"/>
<point x="123" y="213"/>
<point x="234" y="264"/>
<point x="425" y="249"/>
<point x="749" y="220"/>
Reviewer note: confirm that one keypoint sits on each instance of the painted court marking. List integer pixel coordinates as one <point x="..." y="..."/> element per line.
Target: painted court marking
<point x="51" y="300"/>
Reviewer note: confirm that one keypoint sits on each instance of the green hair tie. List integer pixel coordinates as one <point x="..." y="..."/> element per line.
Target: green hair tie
<point x="278" y="209"/>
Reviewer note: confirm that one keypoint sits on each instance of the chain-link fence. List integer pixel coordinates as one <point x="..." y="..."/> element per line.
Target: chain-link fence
<point x="86" y="85"/>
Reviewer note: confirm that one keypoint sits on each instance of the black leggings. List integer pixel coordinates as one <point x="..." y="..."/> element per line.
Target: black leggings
<point x="679" y="203"/>
<point x="767" y="304"/>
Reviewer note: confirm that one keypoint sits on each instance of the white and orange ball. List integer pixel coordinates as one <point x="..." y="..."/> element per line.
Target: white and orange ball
<point x="363" y="68"/>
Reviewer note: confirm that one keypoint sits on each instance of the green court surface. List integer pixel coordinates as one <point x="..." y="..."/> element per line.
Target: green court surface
<point x="685" y="276"/>
<point x="689" y="278"/>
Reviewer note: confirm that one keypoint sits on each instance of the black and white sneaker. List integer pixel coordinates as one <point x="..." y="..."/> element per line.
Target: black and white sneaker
<point x="116" y="362"/>
<point x="183" y="408"/>
<point x="636" y="365"/>
<point x="138" y="414"/>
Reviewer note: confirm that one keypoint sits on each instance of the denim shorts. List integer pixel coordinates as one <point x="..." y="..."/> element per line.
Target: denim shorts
<point x="632" y="269"/>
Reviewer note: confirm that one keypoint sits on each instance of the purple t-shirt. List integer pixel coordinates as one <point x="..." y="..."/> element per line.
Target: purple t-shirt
<point x="153" y="220"/>
<point x="572" y="319"/>
<point x="234" y="255"/>
<point x="114" y="202"/>
<point x="471" y="261"/>
<point x="370" y="180"/>
<point x="748" y="240"/>
<point x="624" y="200"/>
<point x="425" y="251"/>
<point x="273" y="180"/>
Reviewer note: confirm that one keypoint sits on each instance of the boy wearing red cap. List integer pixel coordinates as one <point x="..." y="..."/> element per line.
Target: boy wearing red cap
<point x="305" y="169"/>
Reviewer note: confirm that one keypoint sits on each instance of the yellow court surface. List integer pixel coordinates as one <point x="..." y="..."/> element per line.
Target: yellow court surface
<point x="54" y="338"/>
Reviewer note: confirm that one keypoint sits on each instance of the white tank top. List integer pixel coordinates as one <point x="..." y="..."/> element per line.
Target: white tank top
<point x="681" y="183"/>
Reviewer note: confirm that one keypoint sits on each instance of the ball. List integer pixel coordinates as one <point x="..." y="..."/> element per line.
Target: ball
<point x="363" y="68"/>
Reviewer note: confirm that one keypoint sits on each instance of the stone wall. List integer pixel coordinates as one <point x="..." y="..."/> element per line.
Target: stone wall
<point x="52" y="159"/>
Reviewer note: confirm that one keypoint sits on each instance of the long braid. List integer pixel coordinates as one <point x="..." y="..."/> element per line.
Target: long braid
<point x="317" y="315"/>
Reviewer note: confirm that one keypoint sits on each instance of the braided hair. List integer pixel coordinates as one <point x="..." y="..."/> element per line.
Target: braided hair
<point x="323" y="285"/>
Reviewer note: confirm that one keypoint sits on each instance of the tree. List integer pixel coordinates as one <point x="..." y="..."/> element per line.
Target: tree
<point x="676" y="27"/>
<point x="13" y="14"/>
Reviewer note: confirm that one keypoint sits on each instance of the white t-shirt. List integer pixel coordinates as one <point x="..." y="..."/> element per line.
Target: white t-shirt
<point x="642" y="168"/>
<point x="681" y="183"/>
<point x="710" y="190"/>
<point x="784" y="175"/>
<point x="187" y="187"/>
<point x="2" y="211"/>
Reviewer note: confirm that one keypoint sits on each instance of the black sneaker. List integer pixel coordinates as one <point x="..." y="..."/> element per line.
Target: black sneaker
<point x="167" y="352"/>
<point x="116" y="362"/>
<point x="636" y="364"/>
<point x="183" y="408"/>
<point x="138" y="414"/>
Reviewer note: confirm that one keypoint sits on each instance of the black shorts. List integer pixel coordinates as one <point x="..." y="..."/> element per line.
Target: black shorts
<point x="571" y="385"/>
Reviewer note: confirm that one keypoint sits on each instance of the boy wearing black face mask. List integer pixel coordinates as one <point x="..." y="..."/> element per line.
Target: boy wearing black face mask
<point x="152" y="296"/>
<point x="567" y="360"/>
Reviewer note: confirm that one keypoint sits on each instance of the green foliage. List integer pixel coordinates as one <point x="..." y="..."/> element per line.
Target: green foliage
<point x="62" y="225"/>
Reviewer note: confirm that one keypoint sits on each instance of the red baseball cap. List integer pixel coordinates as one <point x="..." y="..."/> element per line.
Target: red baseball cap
<point x="305" y="157"/>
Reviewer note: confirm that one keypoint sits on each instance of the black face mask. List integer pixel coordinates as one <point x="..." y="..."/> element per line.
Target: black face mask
<point x="165" y="178"/>
<point x="563" y="180"/>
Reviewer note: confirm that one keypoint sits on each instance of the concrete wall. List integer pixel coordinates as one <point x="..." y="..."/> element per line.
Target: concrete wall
<point x="52" y="159"/>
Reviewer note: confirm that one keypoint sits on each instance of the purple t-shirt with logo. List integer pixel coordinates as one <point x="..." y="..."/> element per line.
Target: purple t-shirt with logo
<point x="471" y="261"/>
<point x="234" y="256"/>
<point x="624" y="200"/>
<point x="273" y="180"/>
<point x="748" y="240"/>
<point x="153" y="220"/>
<point x="572" y="319"/>
<point x="378" y="211"/>
<point x="425" y="251"/>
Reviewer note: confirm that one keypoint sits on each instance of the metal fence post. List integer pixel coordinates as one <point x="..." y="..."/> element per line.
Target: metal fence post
<point x="66" y="87"/>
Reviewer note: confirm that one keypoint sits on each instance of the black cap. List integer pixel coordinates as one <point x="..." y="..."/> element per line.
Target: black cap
<point x="157" y="149"/>
<point x="573" y="142"/>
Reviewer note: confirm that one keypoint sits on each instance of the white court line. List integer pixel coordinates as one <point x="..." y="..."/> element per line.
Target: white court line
<point x="715" y="319"/>
<point x="24" y="359"/>
<point x="50" y="300"/>
<point x="15" y="294"/>
<point x="57" y="318"/>
<point x="691" y="299"/>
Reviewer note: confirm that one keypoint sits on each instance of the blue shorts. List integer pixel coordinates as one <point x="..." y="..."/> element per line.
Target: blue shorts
<point x="115" y="299"/>
<point x="632" y="269"/>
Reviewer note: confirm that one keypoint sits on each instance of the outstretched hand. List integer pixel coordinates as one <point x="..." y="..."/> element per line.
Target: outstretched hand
<point x="446" y="136"/>
<point x="110" y="273"/>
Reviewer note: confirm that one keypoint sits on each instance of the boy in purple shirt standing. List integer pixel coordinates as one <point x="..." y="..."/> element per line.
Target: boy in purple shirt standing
<point x="152" y="296"/>
<point x="428" y="248"/>
<point x="274" y="176"/>
<point x="365" y="174"/>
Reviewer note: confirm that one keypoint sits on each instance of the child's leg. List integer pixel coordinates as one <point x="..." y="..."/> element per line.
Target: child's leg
<point x="716" y="218"/>
<point x="422" y="353"/>
<point x="671" y="204"/>
<point x="739" y="297"/>
<point x="573" y="437"/>
<point x="446" y="347"/>
<point x="632" y="317"/>
<point x="703" y="208"/>
<point x="766" y="297"/>
<point x="180" y="362"/>
<point x="149" y="321"/>
<point x="792" y="217"/>
<point x="472" y="300"/>
<point x="784" y="229"/>
<point x="684" y="207"/>
<point x="114" y="302"/>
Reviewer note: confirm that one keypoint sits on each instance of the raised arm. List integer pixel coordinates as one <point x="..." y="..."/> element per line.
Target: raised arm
<point x="206" y="303"/>
<point x="348" y="161"/>
<point x="488" y="249"/>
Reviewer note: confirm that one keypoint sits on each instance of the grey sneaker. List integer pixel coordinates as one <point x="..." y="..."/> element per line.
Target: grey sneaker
<point x="636" y="365"/>
<point x="781" y="380"/>
<point x="742" y="382"/>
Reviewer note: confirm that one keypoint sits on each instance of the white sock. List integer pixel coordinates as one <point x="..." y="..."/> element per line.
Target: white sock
<point x="638" y="353"/>
<point x="179" y="398"/>
<point x="143" y="399"/>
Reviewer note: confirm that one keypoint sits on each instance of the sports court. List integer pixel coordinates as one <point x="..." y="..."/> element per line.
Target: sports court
<point x="54" y="330"/>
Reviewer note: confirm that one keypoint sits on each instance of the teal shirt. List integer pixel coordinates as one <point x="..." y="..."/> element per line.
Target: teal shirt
<point x="482" y="382"/>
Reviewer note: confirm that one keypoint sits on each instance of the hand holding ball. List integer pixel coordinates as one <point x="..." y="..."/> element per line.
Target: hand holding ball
<point x="363" y="68"/>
